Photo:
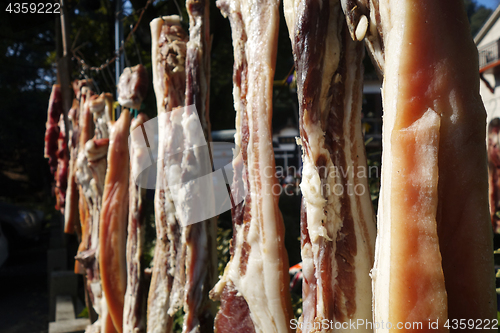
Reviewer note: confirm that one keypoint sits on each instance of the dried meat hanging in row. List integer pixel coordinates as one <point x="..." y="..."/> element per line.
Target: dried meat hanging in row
<point x="337" y="221"/>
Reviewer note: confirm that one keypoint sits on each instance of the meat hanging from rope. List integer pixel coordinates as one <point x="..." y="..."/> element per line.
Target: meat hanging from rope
<point x="253" y="291"/>
<point x="56" y="147"/>
<point x="337" y="220"/>
<point x="61" y="174"/>
<point x="71" y="218"/>
<point x="113" y="220"/>
<point x="433" y="251"/>
<point x="169" y="81"/>
<point x="95" y="119"/>
<point x="52" y="127"/>
<point x="200" y="238"/>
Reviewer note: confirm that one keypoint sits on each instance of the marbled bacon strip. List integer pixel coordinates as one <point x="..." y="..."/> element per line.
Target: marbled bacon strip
<point x="338" y="221"/>
<point x="254" y="290"/>
<point x="433" y="252"/>
<point x="169" y="82"/>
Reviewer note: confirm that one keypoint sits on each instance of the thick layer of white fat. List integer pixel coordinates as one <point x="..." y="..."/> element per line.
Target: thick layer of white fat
<point x="99" y="300"/>
<point x="393" y="14"/>
<point x="309" y="300"/>
<point x="156" y="25"/>
<point x="261" y="286"/>
<point x="290" y="9"/>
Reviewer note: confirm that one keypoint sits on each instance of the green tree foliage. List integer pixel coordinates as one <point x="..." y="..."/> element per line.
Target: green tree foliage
<point x="477" y="14"/>
<point x="26" y="76"/>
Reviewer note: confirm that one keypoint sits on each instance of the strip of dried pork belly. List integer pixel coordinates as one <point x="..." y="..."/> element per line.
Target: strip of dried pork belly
<point x="200" y="238"/>
<point x="337" y="221"/>
<point x="433" y="252"/>
<point x="113" y="220"/>
<point x="169" y="81"/>
<point x="134" y="309"/>
<point x="254" y="290"/>
<point x="71" y="222"/>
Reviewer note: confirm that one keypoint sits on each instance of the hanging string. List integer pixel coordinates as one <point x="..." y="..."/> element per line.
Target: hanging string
<point x="94" y="82"/>
<point x="120" y="50"/>
<point x="136" y="47"/>
<point x="111" y="76"/>
<point x="126" y="58"/>
<point x="110" y="88"/>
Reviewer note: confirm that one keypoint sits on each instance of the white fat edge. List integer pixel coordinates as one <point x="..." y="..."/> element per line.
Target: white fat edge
<point x="104" y="314"/>
<point x="393" y="14"/>
<point x="238" y="53"/>
<point x="290" y="8"/>
<point x="308" y="303"/>
<point x="156" y="26"/>
<point x="99" y="300"/>
<point x="232" y="10"/>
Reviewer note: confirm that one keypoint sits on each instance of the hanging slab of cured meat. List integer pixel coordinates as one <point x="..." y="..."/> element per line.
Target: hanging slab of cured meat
<point x="200" y="238"/>
<point x="433" y="251"/>
<point x="338" y="221"/>
<point x="254" y="292"/>
<point x="52" y="127"/>
<point x="71" y="222"/>
<point x="134" y="310"/>
<point x="113" y="221"/>
<point x="169" y="80"/>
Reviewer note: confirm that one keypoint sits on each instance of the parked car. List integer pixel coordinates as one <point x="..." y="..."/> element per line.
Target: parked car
<point x="19" y="223"/>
